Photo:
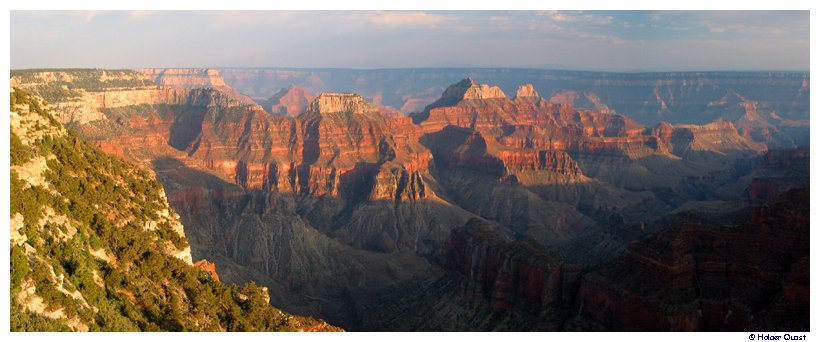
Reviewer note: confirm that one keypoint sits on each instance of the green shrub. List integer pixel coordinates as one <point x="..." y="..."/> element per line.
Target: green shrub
<point x="19" y="153"/>
<point x="21" y="320"/>
<point x="109" y="201"/>
<point x="19" y="267"/>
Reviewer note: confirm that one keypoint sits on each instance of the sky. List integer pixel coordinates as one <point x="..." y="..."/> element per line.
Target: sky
<point x="580" y="40"/>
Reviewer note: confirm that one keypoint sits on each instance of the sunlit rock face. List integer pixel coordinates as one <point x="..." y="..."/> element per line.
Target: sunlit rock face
<point x="337" y="199"/>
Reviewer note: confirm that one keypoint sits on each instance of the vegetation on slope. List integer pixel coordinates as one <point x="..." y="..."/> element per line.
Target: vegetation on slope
<point x="93" y="245"/>
<point x="56" y="85"/>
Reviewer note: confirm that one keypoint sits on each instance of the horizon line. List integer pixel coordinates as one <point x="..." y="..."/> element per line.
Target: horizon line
<point x="591" y="70"/>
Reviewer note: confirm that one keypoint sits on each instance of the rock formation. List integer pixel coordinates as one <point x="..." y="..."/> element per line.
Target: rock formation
<point x="648" y="98"/>
<point x="209" y="267"/>
<point x="290" y="101"/>
<point x="343" y="203"/>
<point x="184" y="78"/>
<point x="707" y="273"/>
<point x="95" y="245"/>
<point x="511" y="276"/>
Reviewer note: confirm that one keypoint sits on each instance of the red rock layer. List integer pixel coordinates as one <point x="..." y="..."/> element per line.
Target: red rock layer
<point x="341" y="138"/>
<point x="339" y="141"/>
<point x="290" y="101"/>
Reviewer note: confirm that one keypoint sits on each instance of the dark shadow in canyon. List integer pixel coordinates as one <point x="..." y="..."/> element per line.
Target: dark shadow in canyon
<point x="365" y="276"/>
<point x="186" y="127"/>
<point x="270" y="238"/>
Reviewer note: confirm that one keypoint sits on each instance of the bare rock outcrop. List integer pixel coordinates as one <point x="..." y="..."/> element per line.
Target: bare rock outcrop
<point x="188" y="78"/>
<point x="526" y="91"/>
<point x="290" y="101"/>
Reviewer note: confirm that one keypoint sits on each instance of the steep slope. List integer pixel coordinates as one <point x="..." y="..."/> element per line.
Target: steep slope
<point x="184" y="78"/>
<point x="339" y="190"/>
<point x="707" y="271"/>
<point x="345" y="203"/>
<point x="707" y="268"/>
<point x="95" y="245"/>
<point x="483" y="282"/>
<point x="290" y="101"/>
<point x="585" y="158"/>
<point x="80" y="95"/>
<point x="648" y="98"/>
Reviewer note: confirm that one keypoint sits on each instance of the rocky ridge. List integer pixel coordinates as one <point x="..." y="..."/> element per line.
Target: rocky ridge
<point x="647" y="98"/>
<point x="184" y="78"/>
<point x="92" y="239"/>
<point x="707" y="273"/>
<point x="290" y="101"/>
<point x="342" y="188"/>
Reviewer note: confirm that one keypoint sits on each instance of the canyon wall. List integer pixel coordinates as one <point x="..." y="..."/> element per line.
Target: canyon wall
<point x="332" y="200"/>
<point x="679" y="97"/>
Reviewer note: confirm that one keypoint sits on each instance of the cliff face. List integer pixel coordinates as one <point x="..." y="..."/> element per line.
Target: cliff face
<point x="648" y="98"/>
<point x="526" y="91"/>
<point x="95" y="245"/>
<point x="290" y="101"/>
<point x="184" y="78"/>
<point x="778" y="172"/>
<point x="707" y="273"/>
<point x="604" y="146"/>
<point x="719" y="136"/>
<point x="769" y="108"/>
<point x="345" y="200"/>
<point x="100" y="89"/>
<point x="510" y="276"/>
<point x="82" y="97"/>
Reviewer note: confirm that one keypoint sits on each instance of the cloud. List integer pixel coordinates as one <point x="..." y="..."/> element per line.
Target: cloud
<point x="760" y="24"/>
<point x="601" y="40"/>
<point x="405" y="19"/>
<point x="67" y="17"/>
<point x="577" y="17"/>
<point x="140" y="15"/>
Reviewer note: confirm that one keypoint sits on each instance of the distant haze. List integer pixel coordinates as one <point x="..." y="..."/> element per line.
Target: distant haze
<point x="608" y="40"/>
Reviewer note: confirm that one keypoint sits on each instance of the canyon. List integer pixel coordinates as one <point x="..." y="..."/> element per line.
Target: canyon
<point x="425" y="200"/>
<point x="96" y="246"/>
<point x="778" y="101"/>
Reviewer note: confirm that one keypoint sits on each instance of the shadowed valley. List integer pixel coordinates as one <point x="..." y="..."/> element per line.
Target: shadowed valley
<point x="586" y="208"/>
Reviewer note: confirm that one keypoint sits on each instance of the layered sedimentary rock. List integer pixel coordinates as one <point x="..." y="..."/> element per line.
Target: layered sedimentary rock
<point x="290" y="101"/>
<point x="602" y="145"/>
<point x="580" y="100"/>
<point x="780" y="99"/>
<point x="511" y="276"/>
<point x="100" y="89"/>
<point x="96" y="247"/>
<point x="185" y="78"/>
<point x="718" y="136"/>
<point x="712" y="272"/>
<point x="525" y="91"/>
<point x="345" y="201"/>
<point x="778" y="172"/>
<point x="680" y="97"/>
